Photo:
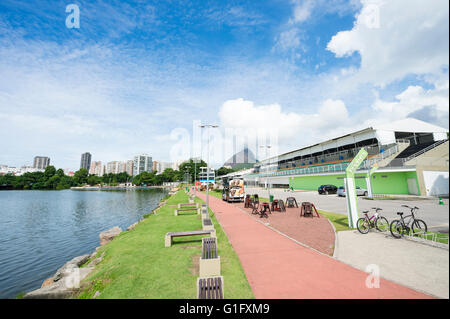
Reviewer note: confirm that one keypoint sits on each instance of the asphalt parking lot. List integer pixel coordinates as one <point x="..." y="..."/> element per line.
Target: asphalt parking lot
<point x="436" y="216"/>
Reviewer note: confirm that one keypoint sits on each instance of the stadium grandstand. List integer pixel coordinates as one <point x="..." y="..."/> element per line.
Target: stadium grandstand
<point x="411" y="155"/>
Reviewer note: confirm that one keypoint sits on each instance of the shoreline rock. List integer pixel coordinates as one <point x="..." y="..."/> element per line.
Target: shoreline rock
<point x="65" y="282"/>
<point x="108" y="235"/>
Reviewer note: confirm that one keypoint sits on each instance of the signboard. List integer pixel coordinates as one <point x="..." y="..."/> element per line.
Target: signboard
<point x="359" y="158"/>
<point x="369" y="180"/>
<point x="352" y="203"/>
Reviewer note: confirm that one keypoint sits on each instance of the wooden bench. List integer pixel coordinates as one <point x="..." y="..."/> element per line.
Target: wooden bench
<point x="169" y="236"/>
<point x="188" y="204"/>
<point x="210" y="261"/>
<point x="186" y="210"/>
<point x="210" y="288"/>
<point x="207" y="224"/>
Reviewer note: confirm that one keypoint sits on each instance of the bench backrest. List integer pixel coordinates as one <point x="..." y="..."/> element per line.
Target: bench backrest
<point x="190" y="233"/>
<point x="209" y="248"/>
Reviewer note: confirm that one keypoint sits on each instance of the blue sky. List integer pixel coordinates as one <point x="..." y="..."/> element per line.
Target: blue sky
<point x="136" y="70"/>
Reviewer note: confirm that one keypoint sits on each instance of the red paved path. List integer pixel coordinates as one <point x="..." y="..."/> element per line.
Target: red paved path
<point x="277" y="267"/>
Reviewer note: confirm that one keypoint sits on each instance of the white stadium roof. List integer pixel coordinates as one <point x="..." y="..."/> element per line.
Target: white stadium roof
<point x="384" y="133"/>
<point x="410" y="125"/>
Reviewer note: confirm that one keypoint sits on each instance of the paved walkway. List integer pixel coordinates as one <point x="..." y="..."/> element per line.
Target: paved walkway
<point x="407" y="262"/>
<point x="302" y="229"/>
<point x="277" y="267"/>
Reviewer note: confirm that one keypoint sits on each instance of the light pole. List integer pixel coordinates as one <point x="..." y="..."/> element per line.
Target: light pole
<point x="186" y="171"/>
<point x="195" y="175"/>
<point x="267" y="147"/>
<point x="207" y="126"/>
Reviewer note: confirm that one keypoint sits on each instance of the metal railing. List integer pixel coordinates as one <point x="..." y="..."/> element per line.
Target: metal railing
<point x="368" y="163"/>
<point x="335" y="167"/>
<point x="426" y="149"/>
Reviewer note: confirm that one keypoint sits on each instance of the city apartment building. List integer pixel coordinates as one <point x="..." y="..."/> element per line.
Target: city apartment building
<point x="142" y="163"/>
<point x="41" y="162"/>
<point x="129" y="167"/>
<point x="96" y="168"/>
<point x="86" y="161"/>
<point x="157" y="167"/>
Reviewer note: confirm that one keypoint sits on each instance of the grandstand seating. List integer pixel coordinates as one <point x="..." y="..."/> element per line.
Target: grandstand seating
<point x="413" y="149"/>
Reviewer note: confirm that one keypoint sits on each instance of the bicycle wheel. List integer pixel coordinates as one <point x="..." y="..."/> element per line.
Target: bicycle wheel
<point x="363" y="225"/>
<point x="419" y="227"/>
<point x="382" y="224"/>
<point x="397" y="229"/>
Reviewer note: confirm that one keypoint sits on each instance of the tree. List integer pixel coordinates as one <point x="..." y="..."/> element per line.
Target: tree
<point x="60" y="172"/>
<point x="94" y="180"/>
<point x="80" y="176"/>
<point x="224" y="171"/>
<point x="49" y="171"/>
<point x="192" y="168"/>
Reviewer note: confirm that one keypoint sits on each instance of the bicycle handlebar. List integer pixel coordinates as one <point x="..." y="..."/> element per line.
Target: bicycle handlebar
<point x="411" y="208"/>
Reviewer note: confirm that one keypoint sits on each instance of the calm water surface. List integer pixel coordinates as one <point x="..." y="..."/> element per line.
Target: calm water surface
<point x="42" y="230"/>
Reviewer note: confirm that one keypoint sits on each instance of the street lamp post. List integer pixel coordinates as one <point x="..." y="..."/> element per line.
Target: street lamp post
<point x="207" y="126"/>
<point x="267" y="147"/>
<point x="195" y="175"/>
<point x="186" y="170"/>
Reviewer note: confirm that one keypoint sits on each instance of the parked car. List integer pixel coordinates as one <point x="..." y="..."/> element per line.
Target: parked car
<point x="359" y="191"/>
<point x="327" y="189"/>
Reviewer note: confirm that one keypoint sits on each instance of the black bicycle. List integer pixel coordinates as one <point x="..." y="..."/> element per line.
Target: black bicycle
<point x="408" y="224"/>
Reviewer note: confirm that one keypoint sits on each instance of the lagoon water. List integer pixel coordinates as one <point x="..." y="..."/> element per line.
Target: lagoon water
<point x="41" y="230"/>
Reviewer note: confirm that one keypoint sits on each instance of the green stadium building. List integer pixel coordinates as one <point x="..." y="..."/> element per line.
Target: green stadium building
<point x="412" y="158"/>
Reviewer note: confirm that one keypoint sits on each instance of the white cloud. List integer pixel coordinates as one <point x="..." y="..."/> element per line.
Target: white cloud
<point x="244" y="114"/>
<point x="397" y="38"/>
<point x="288" y="40"/>
<point x="302" y="10"/>
<point x="428" y="105"/>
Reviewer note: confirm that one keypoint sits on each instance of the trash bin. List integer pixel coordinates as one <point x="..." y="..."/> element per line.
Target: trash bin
<point x="271" y="198"/>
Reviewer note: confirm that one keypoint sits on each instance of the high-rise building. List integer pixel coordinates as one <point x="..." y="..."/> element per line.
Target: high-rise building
<point x="85" y="161"/>
<point x="112" y="167"/>
<point x="41" y="162"/>
<point x="129" y="167"/>
<point x="157" y="167"/>
<point x="96" y="168"/>
<point x="121" y="167"/>
<point x="165" y="165"/>
<point x="142" y="163"/>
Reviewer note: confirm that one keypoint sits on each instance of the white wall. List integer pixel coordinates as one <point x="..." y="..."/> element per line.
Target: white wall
<point x="436" y="183"/>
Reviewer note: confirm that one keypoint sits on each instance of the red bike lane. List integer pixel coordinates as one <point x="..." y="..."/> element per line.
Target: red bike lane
<point x="279" y="268"/>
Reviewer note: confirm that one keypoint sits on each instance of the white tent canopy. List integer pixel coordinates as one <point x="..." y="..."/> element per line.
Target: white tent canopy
<point x="410" y="125"/>
<point x="384" y="133"/>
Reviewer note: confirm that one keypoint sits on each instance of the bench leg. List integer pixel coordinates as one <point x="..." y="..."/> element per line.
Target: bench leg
<point x="175" y="212"/>
<point x="168" y="241"/>
<point x="209" y="267"/>
<point x="213" y="233"/>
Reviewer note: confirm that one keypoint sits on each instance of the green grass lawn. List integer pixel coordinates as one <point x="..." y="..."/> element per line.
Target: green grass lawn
<point x="340" y="221"/>
<point x="137" y="265"/>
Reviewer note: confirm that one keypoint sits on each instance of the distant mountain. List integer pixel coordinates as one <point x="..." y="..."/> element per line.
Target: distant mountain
<point x="241" y="160"/>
